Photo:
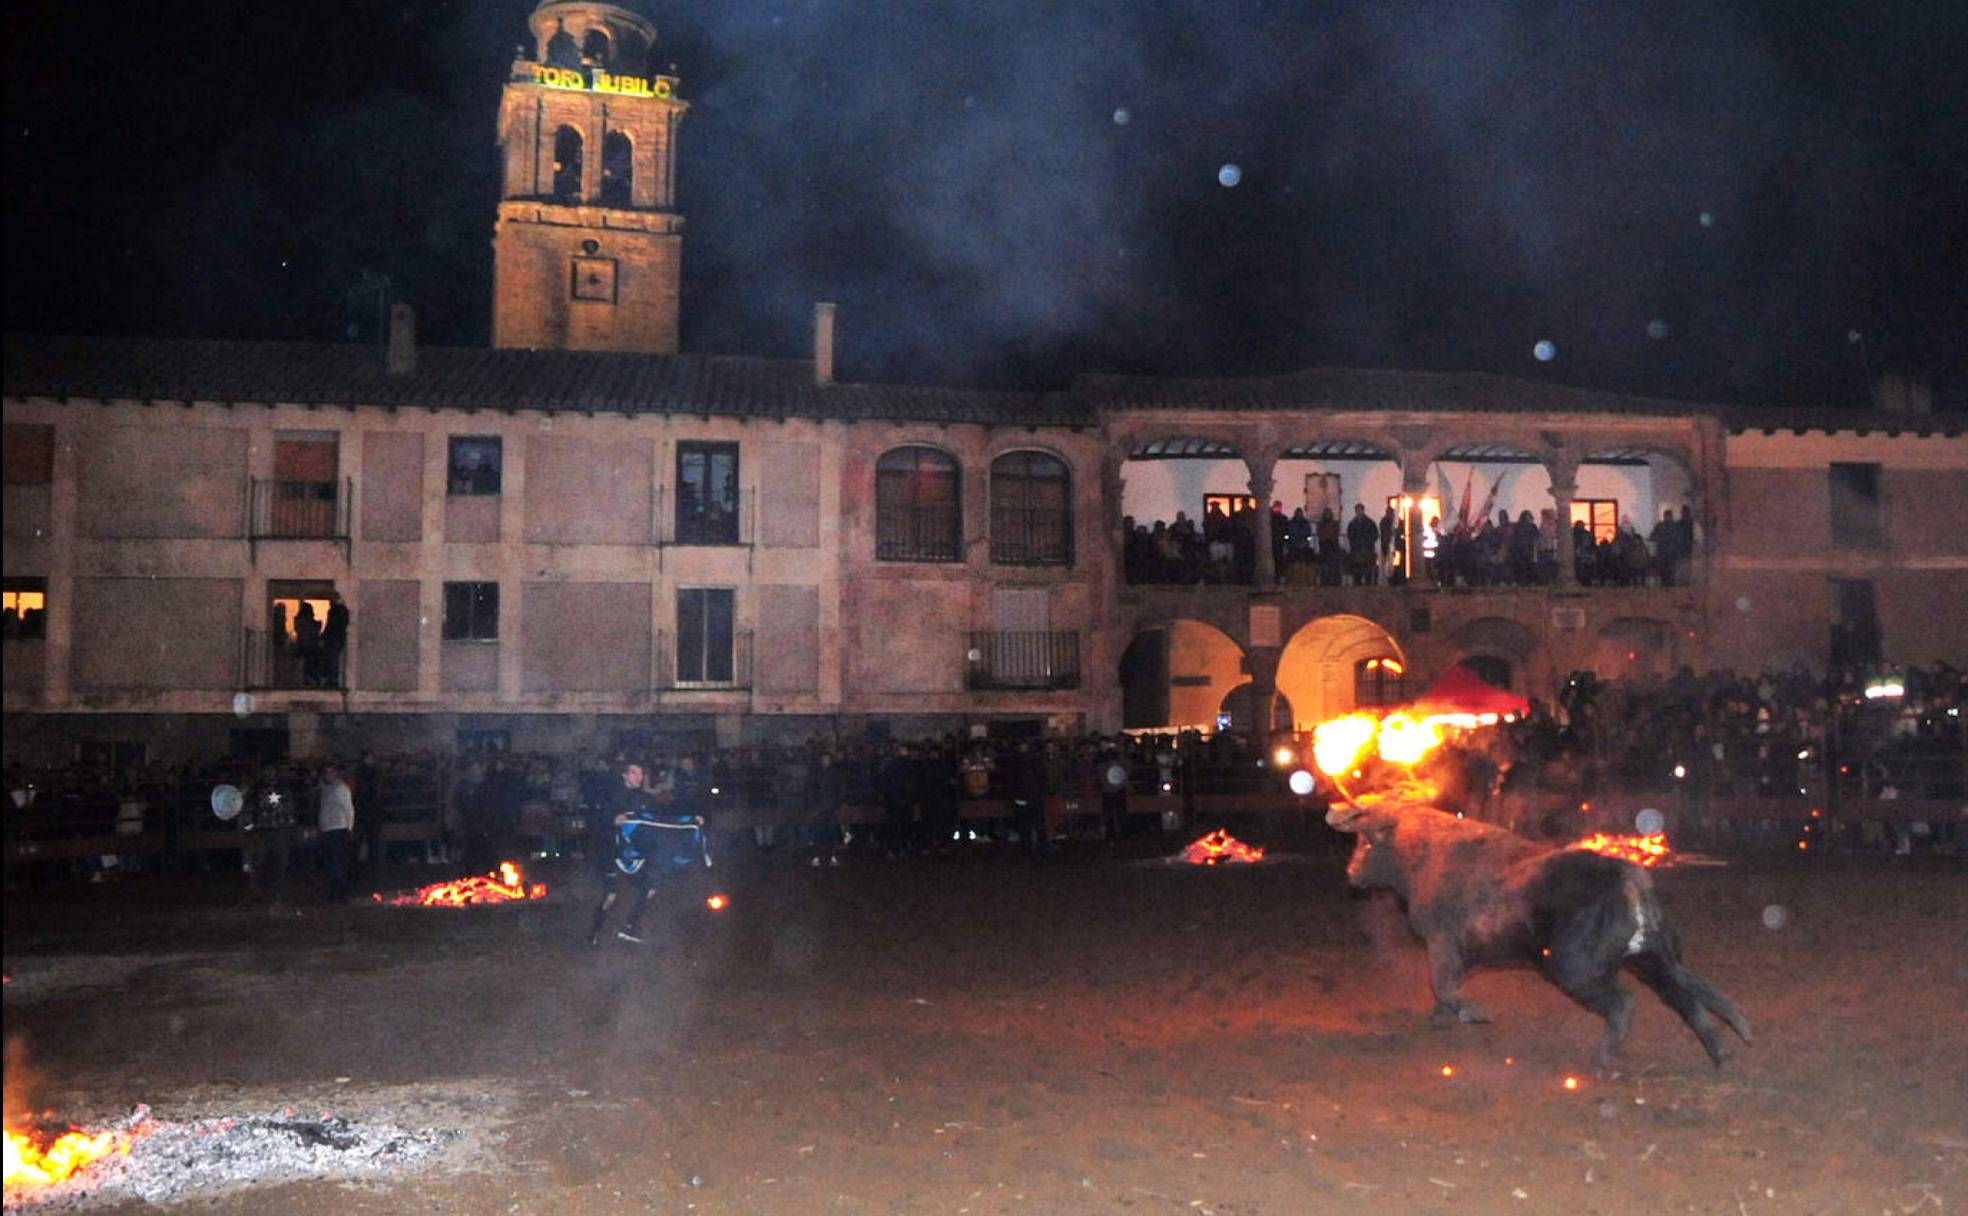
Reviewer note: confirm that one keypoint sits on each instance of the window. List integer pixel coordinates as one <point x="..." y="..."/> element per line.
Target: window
<point x="26" y="616"/>
<point x="1856" y="639"/>
<point x="594" y="47"/>
<point x="1602" y="515"/>
<point x="474" y="468"/>
<point x="1379" y="681"/>
<point x="1227" y="505"/>
<point x="1858" y="514"/>
<point x="704" y="635"/>
<point x="617" y="170"/>
<point x="302" y="498"/>
<point x="707" y="494"/>
<point x="918" y="507"/>
<point x="1031" y="510"/>
<point x="471" y="612"/>
<point x="567" y="164"/>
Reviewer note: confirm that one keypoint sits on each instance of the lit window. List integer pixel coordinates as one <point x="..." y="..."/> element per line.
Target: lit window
<point x="1601" y="515"/>
<point x="26" y="614"/>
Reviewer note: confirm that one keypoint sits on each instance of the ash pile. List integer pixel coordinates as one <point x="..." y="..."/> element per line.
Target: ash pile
<point x="161" y="1161"/>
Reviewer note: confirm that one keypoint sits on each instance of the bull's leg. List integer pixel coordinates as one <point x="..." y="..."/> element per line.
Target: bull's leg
<point x="1598" y="989"/>
<point x="1445" y="977"/>
<point x="1684" y="992"/>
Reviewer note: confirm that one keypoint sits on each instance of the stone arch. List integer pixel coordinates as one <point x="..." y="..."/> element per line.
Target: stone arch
<point x="1176" y="673"/>
<point x="568" y="146"/>
<point x="1316" y="667"/>
<point x="595" y="46"/>
<point x="1634" y="646"/>
<point x="1500" y="639"/>
<point x="1669" y="487"/>
<point x="617" y="169"/>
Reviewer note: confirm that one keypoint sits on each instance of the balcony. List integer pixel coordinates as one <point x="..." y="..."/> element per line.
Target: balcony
<point x="1022" y="660"/>
<point x="680" y="521"/>
<point x="299" y="510"/>
<point x="268" y="662"/>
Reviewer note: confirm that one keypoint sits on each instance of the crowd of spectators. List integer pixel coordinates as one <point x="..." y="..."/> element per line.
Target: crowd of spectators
<point x="1364" y="551"/>
<point x="1711" y="738"/>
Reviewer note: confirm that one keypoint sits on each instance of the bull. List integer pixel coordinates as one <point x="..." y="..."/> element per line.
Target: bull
<point x="1477" y="894"/>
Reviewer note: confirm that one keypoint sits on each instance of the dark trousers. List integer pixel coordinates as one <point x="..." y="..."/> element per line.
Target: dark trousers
<point x="270" y="856"/>
<point x="338" y="853"/>
<point x="639" y="888"/>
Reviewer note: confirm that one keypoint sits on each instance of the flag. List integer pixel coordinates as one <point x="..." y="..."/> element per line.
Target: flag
<point x="1462" y="512"/>
<point x="1489" y="504"/>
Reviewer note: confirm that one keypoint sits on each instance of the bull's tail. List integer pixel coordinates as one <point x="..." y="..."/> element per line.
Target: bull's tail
<point x="1657" y="962"/>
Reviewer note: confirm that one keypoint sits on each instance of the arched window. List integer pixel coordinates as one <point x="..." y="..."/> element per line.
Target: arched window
<point x="918" y="507"/>
<point x="617" y="170"/>
<point x="1379" y="681"/>
<point x="1031" y="510"/>
<point x="594" y="48"/>
<point x="567" y="163"/>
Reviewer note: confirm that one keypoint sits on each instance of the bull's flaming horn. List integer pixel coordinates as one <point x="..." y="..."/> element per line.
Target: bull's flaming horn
<point x="1337" y="745"/>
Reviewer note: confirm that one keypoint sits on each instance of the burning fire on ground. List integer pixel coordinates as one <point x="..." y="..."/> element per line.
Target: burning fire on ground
<point x="30" y="1164"/>
<point x="506" y="885"/>
<point x="1220" y="846"/>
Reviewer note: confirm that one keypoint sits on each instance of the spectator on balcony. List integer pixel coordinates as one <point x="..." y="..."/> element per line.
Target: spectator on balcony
<point x="1298" y="541"/>
<point x="307" y="640"/>
<point x="1361" y="537"/>
<point x="1390" y="531"/>
<point x="1332" y="554"/>
<point x="334" y="642"/>
<point x="1585" y="556"/>
<point x="1665" y="538"/>
<point x="1521" y="550"/>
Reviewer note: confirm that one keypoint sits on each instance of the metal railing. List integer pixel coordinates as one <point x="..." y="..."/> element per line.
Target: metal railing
<point x="919" y="534"/>
<point x="701" y="666"/>
<point x="997" y="659"/>
<point x="1023" y="536"/>
<point x="300" y="510"/>
<point x="679" y="522"/>
<point x="271" y="662"/>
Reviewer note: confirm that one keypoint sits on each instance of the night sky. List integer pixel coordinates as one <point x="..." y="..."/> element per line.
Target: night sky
<point x="1759" y="201"/>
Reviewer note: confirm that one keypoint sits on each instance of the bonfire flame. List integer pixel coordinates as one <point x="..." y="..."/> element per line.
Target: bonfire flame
<point x="1646" y="851"/>
<point x="28" y="1164"/>
<point x="1220" y="846"/>
<point x="508" y="885"/>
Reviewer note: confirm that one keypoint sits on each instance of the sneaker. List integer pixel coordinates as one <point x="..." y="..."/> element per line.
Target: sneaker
<point x="627" y="936"/>
<point x="814" y="862"/>
<point x="594" y="939"/>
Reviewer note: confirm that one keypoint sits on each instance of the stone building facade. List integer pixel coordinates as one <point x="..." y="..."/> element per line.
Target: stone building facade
<point x="580" y="538"/>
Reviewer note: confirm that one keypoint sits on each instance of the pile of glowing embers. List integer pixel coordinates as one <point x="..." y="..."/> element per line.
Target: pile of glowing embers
<point x="505" y="886"/>
<point x="158" y="1161"/>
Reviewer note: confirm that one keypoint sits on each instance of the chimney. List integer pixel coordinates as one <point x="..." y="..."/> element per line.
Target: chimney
<point x="402" y="357"/>
<point x="823" y="342"/>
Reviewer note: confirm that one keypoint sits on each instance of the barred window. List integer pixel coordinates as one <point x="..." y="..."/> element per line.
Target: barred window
<point x="918" y="506"/>
<point x="1031" y="510"/>
<point x="1379" y="681"/>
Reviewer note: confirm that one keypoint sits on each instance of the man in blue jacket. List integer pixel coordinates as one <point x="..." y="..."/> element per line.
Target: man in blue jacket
<point x="653" y="836"/>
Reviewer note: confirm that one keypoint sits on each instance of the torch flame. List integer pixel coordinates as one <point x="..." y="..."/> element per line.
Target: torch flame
<point x="27" y="1164"/>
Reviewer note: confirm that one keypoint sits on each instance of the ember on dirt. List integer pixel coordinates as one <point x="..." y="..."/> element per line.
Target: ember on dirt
<point x="506" y="885"/>
<point x="1220" y="846"/>
<point x="159" y="1161"/>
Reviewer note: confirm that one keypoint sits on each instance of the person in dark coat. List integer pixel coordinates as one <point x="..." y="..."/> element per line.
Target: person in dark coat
<point x="1362" y="535"/>
<point x="334" y="641"/>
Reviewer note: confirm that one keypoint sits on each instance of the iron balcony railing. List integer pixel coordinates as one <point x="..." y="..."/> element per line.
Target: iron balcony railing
<point x="273" y="662"/>
<point x="999" y="659"/>
<point x="300" y="510"/>
<point x="1023" y="536"/>
<point x="702" y="663"/>
<point x="680" y="520"/>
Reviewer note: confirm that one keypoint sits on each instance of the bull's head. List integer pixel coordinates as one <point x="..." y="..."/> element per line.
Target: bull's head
<point x="1374" y="862"/>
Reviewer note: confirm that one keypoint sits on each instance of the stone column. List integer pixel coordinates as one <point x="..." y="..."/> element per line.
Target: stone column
<point x="1261" y="485"/>
<point x="1562" y="492"/>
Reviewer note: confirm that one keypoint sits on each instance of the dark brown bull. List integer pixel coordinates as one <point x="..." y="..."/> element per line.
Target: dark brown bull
<point x="1478" y="894"/>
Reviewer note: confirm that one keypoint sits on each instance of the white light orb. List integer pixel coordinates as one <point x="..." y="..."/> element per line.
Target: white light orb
<point x="1229" y="175"/>
<point x="1649" y="821"/>
<point x="1301" y="783"/>
<point x="1545" y="351"/>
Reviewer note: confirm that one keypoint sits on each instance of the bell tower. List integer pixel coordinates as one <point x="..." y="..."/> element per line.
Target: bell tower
<point x="587" y="251"/>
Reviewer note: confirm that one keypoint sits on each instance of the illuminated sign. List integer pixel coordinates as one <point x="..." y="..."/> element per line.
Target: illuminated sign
<point x="602" y="82"/>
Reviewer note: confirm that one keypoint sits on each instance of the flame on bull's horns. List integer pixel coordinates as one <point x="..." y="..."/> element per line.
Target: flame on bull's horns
<point x="1338" y="743"/>
<point x="1646" y="851"/>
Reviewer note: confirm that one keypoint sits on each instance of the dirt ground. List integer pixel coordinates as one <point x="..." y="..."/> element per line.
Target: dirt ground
<point x="978" y="1033"/>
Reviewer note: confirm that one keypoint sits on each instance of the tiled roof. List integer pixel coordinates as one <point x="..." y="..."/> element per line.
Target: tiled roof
<point x="330" y="373"/>
<point x="1362" y="389"/>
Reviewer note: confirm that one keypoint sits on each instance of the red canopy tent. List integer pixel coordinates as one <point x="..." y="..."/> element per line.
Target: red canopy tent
<point x="1461" y="691"/>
